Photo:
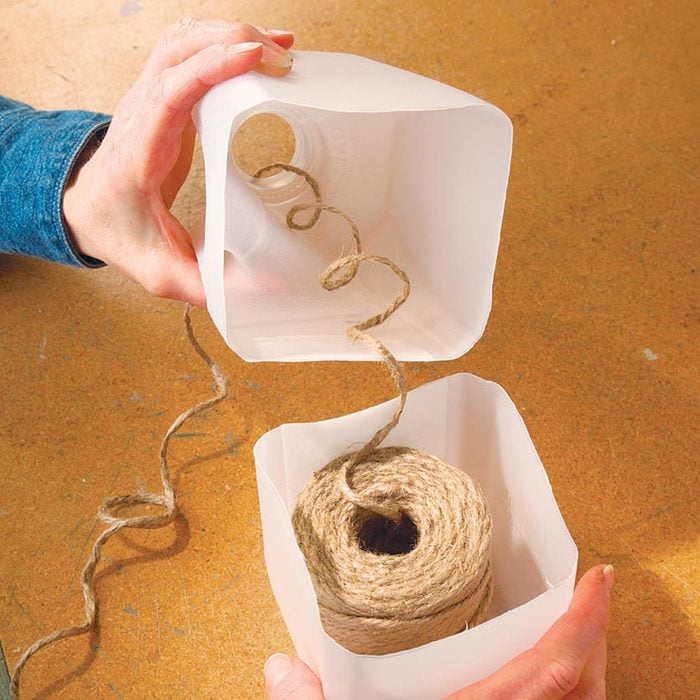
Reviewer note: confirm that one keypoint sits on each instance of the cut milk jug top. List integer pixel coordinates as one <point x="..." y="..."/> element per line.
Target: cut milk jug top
<point x="422" y="169"/>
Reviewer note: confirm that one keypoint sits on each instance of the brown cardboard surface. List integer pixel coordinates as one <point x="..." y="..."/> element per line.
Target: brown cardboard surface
<point x="592" y="334"/>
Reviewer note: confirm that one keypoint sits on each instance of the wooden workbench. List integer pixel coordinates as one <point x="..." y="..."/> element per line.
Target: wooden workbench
<point x="592" y="333"/>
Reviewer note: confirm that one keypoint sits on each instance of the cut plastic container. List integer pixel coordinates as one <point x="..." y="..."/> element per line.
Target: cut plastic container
<point x="469" y="423"/>
<point x="420" y="166"/>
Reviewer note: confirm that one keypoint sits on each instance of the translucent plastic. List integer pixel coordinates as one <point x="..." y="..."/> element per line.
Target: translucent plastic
<point x="472" y="424"/>
<point x="422" y="167"/>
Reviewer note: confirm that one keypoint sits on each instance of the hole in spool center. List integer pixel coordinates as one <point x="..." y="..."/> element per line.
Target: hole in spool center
<point x="261" y="140"/>
<point x="379" y="535"/>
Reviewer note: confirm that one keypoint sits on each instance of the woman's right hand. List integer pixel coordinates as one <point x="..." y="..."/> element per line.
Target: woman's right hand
<point x="568" y="663"/>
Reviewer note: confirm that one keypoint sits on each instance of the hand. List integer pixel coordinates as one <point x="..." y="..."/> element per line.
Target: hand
<point x="568" y="662"/>
<point x="117" y="206"/>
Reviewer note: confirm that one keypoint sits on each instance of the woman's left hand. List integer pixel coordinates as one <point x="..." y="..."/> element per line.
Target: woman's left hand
<point x="117" y="205"/>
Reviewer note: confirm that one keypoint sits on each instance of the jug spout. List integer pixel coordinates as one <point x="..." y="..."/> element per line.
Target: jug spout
<point x="420" y="166"/>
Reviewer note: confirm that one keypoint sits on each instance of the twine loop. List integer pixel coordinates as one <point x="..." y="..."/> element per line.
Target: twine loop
<point x="397" y="542"/>
<point x="108" y="513"/>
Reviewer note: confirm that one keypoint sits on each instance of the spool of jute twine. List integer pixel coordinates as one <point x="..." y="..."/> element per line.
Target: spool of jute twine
<point x="397" y="542"/>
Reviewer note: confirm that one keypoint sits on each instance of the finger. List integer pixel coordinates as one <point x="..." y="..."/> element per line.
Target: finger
<point x="287" y="678"/>
<point x="276" y="65"/>
<point x="577" y="633"/>
<point x="554" y="666"/>
<point x="166" y="266"/>
<point x="185" y="284"/>
<point x="182" y="86"/>
<point x="172" y="277"/>
<point x="167" y="106"/>
<point x="190" y="36"/>
<point x="281" y="37"/>
<point x="178" y="90"/>
<point x="180" y="170"/>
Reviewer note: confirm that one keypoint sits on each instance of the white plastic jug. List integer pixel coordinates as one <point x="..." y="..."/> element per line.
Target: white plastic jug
<point x="420" y="166"/>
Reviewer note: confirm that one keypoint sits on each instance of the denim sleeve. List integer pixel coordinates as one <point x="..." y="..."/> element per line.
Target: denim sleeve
<point x="38" y="150"/>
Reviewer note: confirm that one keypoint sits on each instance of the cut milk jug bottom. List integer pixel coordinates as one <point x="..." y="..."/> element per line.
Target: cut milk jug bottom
<point x="420" y="166"/>
<point x="473" y="425"/>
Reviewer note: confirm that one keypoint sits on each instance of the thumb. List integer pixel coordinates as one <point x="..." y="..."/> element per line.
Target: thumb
<point x="570" y="652"/>
<point x="287" y="678"/>
<point x="165" y="264"/>
<point x="167" y="274"/>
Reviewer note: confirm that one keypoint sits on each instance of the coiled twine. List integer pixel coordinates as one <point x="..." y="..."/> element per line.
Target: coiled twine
<point x="397" y="542"/>
<point x="383" y="586"/>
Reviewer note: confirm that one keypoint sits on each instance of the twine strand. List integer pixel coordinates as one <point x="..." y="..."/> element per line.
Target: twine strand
<point x="397" y="542"/>
<point x="336" y="275"/>
<point x="106" y="513"/>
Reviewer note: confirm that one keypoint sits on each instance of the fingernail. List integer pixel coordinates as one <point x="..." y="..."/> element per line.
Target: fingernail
<point x="244" y="46"/>
<point x="274" y="32"/>
<point x="609" y="577"/>
<point x="275" y="56"/>
<point x="277" y="667"/>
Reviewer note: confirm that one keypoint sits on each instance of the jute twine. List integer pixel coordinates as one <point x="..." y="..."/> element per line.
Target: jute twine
<point x="397" y="542"/>
<point x="107" y="513"/>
